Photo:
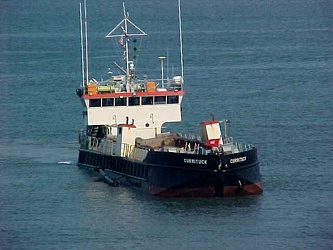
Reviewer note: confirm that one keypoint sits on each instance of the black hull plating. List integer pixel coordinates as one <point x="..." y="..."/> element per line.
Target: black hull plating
<point x="179" y="174"/>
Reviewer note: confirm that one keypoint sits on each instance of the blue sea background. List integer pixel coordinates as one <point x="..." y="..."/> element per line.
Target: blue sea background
<point x="264" y="64"/>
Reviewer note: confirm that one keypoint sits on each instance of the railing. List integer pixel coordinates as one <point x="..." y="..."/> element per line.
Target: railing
<point x="190" y="137"/>
<point x="110" y="147"/>
<point x="106" y="147"/>
<point x="243" y="146"/>
<point x="118" y="84"/>
<point x="228" y="140"/>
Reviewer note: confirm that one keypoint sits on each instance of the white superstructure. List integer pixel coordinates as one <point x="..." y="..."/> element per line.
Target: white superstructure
<point x="125" y="99"/>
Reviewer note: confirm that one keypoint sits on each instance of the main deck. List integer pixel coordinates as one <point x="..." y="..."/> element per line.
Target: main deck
<point x="173" y="143"/>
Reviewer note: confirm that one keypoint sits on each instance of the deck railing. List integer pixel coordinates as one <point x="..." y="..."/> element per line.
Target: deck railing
<point x="109" y="147"/>
<point x="119" y="84"/>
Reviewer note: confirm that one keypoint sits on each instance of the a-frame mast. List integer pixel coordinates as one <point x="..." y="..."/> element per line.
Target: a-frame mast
<point x="123" y="38"/>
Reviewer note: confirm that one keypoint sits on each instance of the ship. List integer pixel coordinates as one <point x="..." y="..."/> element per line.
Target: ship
<point x="124" y="141"/>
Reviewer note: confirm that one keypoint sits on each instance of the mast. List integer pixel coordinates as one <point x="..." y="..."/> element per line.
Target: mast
<point x="84" y="44"/>
<point x="86" y="35"/>
<point x="82" y="47"/>
<point x="181" y="40"/>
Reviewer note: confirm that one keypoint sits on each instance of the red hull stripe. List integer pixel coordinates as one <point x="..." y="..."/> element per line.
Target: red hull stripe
<point x="129" y="94"/>
<point x="185" y="192"/>
<point x="251" y="189"/>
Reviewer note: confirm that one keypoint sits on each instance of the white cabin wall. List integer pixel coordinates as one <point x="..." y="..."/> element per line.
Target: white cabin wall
<point x="155" y="115"/>
<point x="125" y="140"/>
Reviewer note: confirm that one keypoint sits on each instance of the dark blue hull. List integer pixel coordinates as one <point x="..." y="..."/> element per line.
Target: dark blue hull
<point x="179" y="174"/>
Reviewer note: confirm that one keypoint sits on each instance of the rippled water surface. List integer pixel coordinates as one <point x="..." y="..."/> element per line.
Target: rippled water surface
<point x="265" y="65"/>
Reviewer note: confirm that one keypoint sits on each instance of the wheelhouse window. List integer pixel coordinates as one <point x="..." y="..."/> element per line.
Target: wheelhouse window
<point x="106" y="102"/>
<point x="94" y="102"/>
<point x="160" y="99"/>
<point x="133" y="101"/>
<point x="120" y="101"/>
<point x="173" y="99"/>
<point x="147" y="100"/>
